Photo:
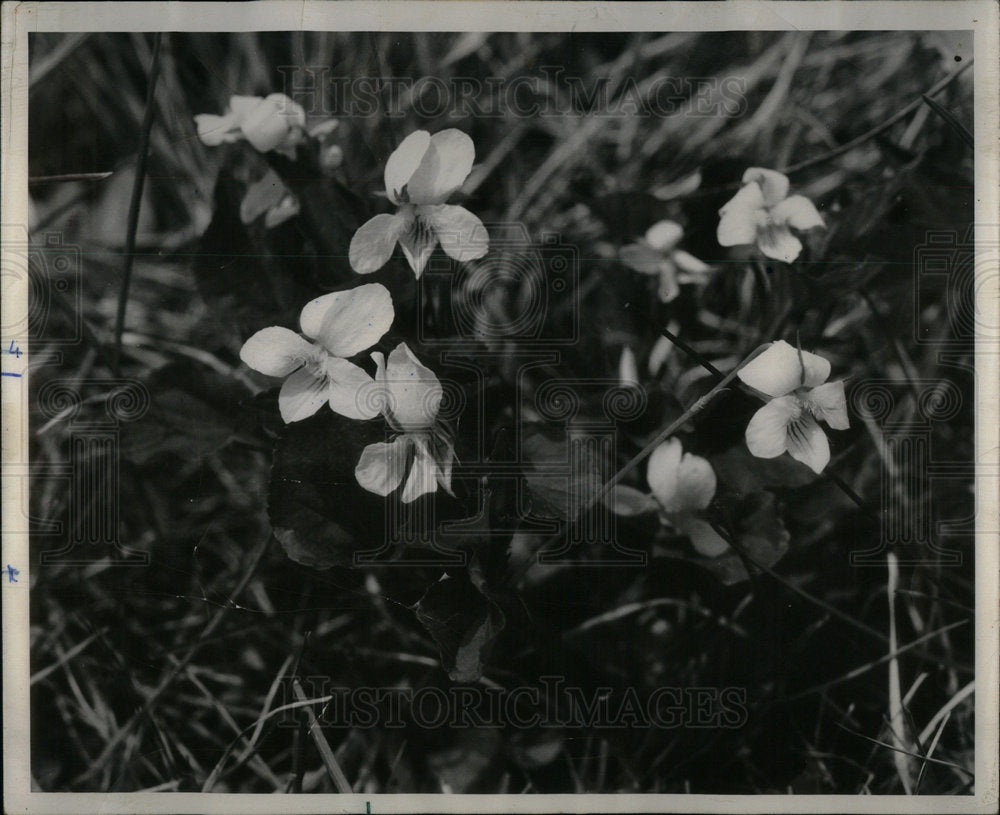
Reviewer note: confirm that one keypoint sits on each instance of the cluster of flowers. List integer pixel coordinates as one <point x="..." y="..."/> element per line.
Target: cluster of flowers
<point x="761" y="214"/>
<point x="406" y="393"/>
<point x="420" y="176"/>
<point x="422" y="173"/>
<point x="794" y="384"/>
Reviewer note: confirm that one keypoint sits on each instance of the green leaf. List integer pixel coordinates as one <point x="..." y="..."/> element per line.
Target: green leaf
<point x="534" y="749"/>
<point x="469" y="754"/>
<point x="192" y="413"/>
<point x="250" y="276"/>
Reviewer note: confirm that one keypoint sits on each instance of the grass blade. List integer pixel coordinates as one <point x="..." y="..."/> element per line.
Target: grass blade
<point x="329" y="759"/>
<point x="136" y="201"/>
<point x="949" y="117"/>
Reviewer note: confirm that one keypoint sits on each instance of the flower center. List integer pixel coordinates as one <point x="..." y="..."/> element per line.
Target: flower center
<point x="798" y="421"/>
<point x="766" y="226"/>
<point x="807" y="405"/>
<point x="420" y="227"/>
<point x="314" y="362"/>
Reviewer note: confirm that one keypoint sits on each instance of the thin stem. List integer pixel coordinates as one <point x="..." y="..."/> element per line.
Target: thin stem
<point x="949" y="118"/>
<point x="905" y="363"/>
<point x="875" y="131"/>
<point x="635" y="461"/>
<point x="897" y="722"/>
<point x="51" y="179"/>
<point x="315" y="730"/>
<point x="833" y="477"/>
<point x="136" y="202"/>
<point x="687" y="349"/>
<point x="732" y="539"/>
<point x="670" y="429"/>
<point x="850" y="493"/>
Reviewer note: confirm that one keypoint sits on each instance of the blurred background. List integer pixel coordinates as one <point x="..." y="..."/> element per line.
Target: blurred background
<point x="163" y="625"/>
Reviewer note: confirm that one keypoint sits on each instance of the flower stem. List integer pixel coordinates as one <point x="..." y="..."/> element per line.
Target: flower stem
<point x="687" y="349"/>
<point x="843" y="486"/>
<point x="672" y="428"/>
<point x="636" y="460"/>
<point x="708" y="366"/>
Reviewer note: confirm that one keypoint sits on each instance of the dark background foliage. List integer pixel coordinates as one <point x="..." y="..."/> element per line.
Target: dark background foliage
<point x="161" y="676"/>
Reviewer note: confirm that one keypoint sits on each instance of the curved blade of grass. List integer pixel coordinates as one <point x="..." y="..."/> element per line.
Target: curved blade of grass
<point x="329" y="759"/>
<point x="881" y="128"/>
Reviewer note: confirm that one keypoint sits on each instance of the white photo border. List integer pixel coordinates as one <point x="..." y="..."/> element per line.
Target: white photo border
<point x="20" y="19"/>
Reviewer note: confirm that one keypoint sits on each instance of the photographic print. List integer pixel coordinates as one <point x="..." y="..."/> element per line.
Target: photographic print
<point x="412" y="401"/>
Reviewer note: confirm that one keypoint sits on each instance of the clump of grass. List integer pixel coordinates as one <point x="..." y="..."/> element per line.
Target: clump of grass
<point x="191" y="673"/>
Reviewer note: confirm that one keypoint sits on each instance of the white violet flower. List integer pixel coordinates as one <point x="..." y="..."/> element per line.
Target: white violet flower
<point x="274" y="122"/>
<point x="420" y="175"/>
<point x="421" y="455"/>
<point x="682" y="485"/>
<point x="657" y="254"/>
<point x="763" y="213"/>
<point x="336" y="325"/>
<point x="799" y="396"/>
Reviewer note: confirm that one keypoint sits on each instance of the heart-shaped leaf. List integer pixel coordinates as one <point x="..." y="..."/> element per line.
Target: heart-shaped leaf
<point x="761" y="536"/>
<point x="191" y="413"/>
<point x="462" y="763"/>
<point x="742" y="473"/>
<point x="564" y="471"/>
<point x="534" y="749"/>
<point x="318" y="511"/>
<point x="463" y="620"/>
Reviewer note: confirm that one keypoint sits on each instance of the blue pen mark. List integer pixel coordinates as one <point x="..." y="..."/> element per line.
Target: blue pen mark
<point x="15" y="351"/>
<point x="12" y="573"/>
